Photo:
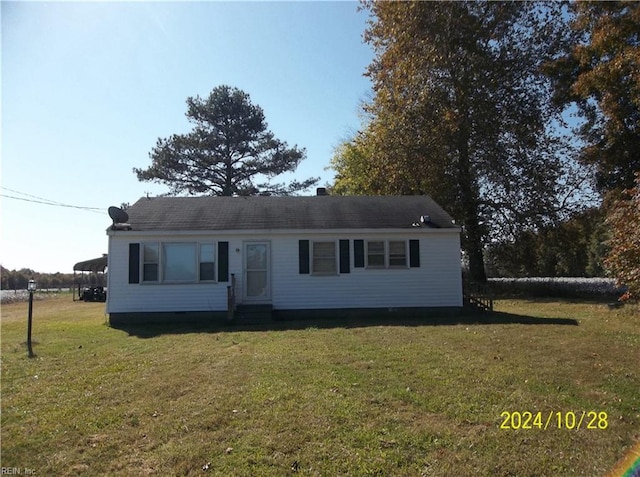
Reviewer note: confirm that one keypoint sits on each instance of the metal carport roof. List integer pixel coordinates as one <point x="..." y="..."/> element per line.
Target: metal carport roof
<point x="95" y="265"/>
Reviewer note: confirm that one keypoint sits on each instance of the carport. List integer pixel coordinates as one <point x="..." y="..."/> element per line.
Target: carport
<point x="95" y="267"/>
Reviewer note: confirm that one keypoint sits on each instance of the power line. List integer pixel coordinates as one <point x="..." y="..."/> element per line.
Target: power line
<point x="89" y="209"/>
<point x="40" y="200"/>
<point x="32" y="196"/>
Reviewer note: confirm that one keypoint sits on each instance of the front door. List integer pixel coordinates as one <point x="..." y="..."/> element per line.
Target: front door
<point x="257" y="283"/>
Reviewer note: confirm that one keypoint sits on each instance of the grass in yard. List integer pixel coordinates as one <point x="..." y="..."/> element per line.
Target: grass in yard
<point x="320" y="398"/>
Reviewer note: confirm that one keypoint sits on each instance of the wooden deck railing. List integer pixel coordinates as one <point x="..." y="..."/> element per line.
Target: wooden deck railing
<point x="478" y="295"/>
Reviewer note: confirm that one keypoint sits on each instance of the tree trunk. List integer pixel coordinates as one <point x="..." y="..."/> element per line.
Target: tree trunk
<point x="473" y="248"/>
<point x="472" y="235"/>
<point x="228" y="177"/>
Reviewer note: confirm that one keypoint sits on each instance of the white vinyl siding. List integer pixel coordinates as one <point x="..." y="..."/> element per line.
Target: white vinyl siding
<point x="162" y="296"/>
<point x="435" y="283"/>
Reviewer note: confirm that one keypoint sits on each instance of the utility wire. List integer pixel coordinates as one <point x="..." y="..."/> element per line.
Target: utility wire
<point x="40" y="200"/>
<point x="32" y="196"/>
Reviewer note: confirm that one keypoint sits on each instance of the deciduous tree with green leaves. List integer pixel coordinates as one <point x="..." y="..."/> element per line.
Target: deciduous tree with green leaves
<point x="228" y="150"/>
<point x="573" y="248"/>
<point x="599" y="72"/>
<point x="623" y="260"/>
<point x="461" y="111"/>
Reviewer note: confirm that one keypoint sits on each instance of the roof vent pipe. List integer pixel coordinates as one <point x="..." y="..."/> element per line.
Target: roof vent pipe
<point x="321" y="191"/>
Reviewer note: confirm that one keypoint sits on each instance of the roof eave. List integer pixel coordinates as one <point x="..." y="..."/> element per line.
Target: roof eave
<point x="368" y="231"/>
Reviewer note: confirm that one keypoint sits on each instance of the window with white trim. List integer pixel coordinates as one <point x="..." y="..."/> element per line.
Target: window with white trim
<point x="324" y="261"/>
<point x="207" y="271"/>
<point x="150" y="262"/>
<point x="375" y="254"/>
<point x="397" y="253"/>
<point x="386" y="253"/>
<point x="178" y="262"/>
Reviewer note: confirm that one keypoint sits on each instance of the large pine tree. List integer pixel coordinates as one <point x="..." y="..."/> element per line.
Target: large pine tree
<point x="228" y="149"/>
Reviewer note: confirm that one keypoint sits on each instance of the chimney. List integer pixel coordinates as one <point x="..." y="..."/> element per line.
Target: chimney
<point x="321" y="191"/>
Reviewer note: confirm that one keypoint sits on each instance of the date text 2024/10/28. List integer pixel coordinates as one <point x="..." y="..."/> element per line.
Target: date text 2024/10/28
<point x="592" y="420"/>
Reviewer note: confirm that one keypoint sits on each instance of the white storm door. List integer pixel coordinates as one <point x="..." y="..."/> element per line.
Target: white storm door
<point x="257" y="283"/>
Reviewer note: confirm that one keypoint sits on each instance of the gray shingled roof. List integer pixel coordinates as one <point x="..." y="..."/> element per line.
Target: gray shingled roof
<point x="254" y="213"/>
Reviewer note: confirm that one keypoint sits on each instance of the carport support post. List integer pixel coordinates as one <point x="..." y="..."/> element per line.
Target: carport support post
<point x="30" y="319"/>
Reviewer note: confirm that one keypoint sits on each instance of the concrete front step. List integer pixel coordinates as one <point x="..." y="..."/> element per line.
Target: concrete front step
<point x="253" y="314"/>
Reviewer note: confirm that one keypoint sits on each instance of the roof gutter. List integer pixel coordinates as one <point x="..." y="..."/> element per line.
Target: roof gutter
<point x="369" y="231"/>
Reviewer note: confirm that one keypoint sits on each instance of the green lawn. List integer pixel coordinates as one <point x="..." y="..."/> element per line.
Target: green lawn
<point x="322" y="398"/>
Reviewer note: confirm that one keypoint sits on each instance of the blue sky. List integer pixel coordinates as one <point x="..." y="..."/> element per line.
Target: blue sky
<point x="87" y="88"/>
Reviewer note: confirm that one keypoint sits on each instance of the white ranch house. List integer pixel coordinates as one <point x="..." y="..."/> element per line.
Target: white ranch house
<point x="179" y="258"/>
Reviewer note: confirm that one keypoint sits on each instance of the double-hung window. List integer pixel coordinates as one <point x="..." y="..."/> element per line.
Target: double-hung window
<point x="207" y="268"/>
<point x="386" y="254"/>
<point x="375" y="254"/>
<point x="397" y="253"/>
<point x="324" y="258"/>
<point x="150" y="262"/>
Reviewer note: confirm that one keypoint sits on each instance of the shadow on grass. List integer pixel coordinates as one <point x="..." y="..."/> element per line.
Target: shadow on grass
<point x="489" y="318"/>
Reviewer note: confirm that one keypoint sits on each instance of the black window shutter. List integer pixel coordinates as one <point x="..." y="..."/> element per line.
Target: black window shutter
<point x="414" y="253"/>
<point x="344" y="256"/>
<point x="303" y="256"/>
<point x="358" y="253"/>
<point x="134" y="263"/>
<point x="223" y="261"/>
